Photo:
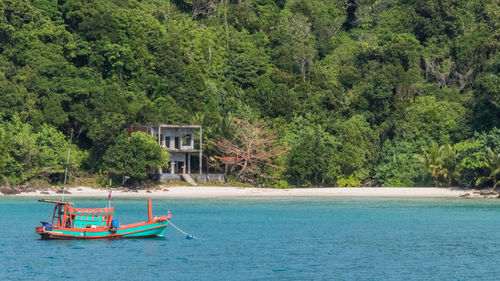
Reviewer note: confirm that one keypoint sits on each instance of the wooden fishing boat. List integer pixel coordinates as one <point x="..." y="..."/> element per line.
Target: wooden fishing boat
<point x="79" y="223"/>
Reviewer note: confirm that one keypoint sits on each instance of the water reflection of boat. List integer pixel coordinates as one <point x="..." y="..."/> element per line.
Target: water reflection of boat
<point x="79" y="223"/>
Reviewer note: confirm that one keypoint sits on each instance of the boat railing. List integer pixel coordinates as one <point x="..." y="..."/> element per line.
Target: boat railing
<point x="92" y="211"/>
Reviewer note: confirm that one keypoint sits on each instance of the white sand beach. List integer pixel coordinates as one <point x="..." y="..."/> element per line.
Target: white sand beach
<point x="229" y="192"/>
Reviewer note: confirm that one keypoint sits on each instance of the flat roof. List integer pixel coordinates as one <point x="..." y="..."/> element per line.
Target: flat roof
<point x="168" y="126"/>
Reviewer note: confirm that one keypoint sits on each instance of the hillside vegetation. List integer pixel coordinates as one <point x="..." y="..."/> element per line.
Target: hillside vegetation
<point x="335" y="92"/>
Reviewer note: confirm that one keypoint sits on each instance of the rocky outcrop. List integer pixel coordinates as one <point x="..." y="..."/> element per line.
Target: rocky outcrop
<point x="10" y="190"/>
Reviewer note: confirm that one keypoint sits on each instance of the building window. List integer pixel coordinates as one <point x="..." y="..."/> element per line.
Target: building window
<point x="167" y="141"/>
<point x="186" y="140"/>
<point x="177" y="144"/>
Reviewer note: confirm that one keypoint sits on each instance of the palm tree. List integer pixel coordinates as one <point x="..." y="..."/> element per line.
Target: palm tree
<point x="449" y="167"/>
<point x="431" y="161"/>
<point x="213" y="129"/>
<point x="492" y="164"/>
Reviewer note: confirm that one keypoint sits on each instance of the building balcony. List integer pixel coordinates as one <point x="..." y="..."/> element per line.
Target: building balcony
<point x="182" y="149"/>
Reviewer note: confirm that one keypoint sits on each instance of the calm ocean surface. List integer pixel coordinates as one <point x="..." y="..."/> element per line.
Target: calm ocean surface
<point x="267" y="239"/>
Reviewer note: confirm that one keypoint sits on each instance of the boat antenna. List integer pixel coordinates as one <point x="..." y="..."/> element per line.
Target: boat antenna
<point x="67" y="164"/>
<point x="109" y="197"/>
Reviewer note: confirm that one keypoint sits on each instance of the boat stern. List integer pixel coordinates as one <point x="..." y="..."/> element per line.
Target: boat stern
<point x="43" y="231"/>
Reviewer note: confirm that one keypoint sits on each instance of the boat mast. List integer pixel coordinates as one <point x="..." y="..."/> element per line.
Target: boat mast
<point x="67" y="164"/>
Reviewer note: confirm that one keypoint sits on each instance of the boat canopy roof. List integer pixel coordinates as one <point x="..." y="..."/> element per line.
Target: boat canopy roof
<point x="53" y="201"/>
<point x="98" y="211"/>
<point x="81" y="211"/>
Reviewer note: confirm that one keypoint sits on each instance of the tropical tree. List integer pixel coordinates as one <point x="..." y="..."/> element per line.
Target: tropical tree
<point x="133" y="156"/>
<point x="313" y="159"/>
<point x="492" y="164"/>
<point x="431" y="161"/>
<point x="449" y="167"/>
<point x="219" y="127"/>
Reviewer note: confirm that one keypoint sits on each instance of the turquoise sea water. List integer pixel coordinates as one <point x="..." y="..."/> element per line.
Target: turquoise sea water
<point x="267" y="239"/>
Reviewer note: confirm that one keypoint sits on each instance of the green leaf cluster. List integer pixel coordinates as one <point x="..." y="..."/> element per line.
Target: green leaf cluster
<point x="133" y="156"/>
<point x="27" y="154"/>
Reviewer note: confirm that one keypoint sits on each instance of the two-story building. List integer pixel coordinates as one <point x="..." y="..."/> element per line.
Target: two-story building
<point x="179" y="141"/>
<point x="184" y="143"/>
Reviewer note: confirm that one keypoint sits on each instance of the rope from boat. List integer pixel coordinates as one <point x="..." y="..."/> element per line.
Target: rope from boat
<point x="188" y="236"/>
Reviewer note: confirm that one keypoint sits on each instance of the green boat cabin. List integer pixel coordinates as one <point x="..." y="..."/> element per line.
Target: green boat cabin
<point x="64" y="216"/>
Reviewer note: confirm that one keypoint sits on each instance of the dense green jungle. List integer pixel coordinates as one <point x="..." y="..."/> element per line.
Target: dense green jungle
<point x="289" y="92"/>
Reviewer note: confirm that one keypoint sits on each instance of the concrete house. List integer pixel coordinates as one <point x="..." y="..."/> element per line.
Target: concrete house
<point x="179" y="142"/>
<point x="185" y="153"/>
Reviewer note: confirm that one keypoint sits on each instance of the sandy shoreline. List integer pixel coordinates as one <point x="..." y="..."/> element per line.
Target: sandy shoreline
<point x="229" y="192"/>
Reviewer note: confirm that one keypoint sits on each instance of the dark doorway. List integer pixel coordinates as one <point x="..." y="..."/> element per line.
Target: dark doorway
<point x="180" y="167"/>
<point x="195" y="163"/>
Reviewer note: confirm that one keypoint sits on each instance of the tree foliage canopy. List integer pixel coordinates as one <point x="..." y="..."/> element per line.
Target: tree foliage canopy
<point x="133" y="156"/>
<point x="373" y="82"/>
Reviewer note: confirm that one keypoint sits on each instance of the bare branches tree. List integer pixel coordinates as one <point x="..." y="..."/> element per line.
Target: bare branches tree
<point x="203" y="7"/>
<point x="441" y="70"/>
<point x="464" y="79"/>
<point x="252" y="148"/>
